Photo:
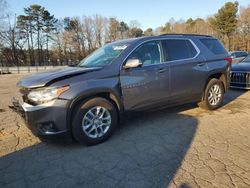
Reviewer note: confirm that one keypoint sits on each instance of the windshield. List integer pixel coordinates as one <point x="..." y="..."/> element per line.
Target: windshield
<point x="103" y="56"/>
<point x="246" y="60"/>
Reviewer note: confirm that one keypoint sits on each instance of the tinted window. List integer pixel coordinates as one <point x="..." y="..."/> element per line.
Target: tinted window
<point x="176" y="49"/>
<point x="247" y="59"/>
<point x="241" y="54"/>
<point x="238" y="54"/>
<point x="148" y="53"/>
<point x="214" y="46"/>
<point x="191" y="48"/>
<point x="245" y="54"/>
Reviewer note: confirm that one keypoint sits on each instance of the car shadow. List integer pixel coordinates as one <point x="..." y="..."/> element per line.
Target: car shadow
<point x="233" y="94"/>
<point x="145" y="151"/>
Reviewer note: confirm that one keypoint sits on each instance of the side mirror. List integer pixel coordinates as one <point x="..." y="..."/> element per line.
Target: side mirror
<point x="132" y="63"/>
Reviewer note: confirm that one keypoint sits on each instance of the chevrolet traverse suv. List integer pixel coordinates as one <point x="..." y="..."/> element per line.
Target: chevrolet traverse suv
<point x="86" y="101"/>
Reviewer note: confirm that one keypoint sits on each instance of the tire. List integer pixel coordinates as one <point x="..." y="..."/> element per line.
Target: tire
<point x="87" y="118"/>
<point x="213" y="89"/>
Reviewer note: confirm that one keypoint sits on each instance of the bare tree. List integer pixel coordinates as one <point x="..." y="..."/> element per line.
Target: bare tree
<point x="244" y="25"/>
<point x="11" y="39"/>
<point x="98" y="30"/>
<point x="36" y="36"/>
<point x="88" y="28"/>
<point x="134" y="24"/>
<point x="113" y="29"/>
<point x="3" y="6"/>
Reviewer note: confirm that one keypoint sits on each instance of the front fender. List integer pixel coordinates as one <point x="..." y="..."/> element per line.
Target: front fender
<point x="108" y="87"/>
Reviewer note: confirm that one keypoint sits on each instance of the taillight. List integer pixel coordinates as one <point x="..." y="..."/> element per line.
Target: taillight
<point x="229" y="59"/>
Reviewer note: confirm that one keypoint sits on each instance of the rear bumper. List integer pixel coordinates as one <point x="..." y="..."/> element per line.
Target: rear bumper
<point x="46" y="120"/>
<point x="240" y="86"/>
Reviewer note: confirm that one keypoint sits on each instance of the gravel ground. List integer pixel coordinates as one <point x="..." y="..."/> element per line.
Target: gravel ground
<point x="177" y="147"/>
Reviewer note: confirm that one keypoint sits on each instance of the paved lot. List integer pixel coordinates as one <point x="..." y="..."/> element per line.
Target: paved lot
<point x="178" y="147"/>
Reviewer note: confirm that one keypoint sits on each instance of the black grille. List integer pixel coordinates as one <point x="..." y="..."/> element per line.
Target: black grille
<point x="240" y="79"/>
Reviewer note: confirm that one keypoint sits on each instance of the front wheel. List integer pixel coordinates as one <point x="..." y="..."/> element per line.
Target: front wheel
<point x="213" y="95"/>
<point x="94" y="121"/>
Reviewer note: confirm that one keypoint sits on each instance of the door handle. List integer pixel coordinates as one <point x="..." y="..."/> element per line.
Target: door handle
<point x="201" y="64"/>
<point x="162" y="70"/>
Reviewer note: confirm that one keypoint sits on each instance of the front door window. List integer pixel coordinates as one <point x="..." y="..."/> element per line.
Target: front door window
<point x="148" y="53"/>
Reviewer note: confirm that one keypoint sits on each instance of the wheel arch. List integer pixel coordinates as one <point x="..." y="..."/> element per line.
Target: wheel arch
<point x="107" y="94"/>
<point x="220" y="76"/>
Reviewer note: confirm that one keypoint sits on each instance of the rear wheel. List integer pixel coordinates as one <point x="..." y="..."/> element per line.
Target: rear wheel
<point x="94" y="121"/>
<point x="213" y="95"/>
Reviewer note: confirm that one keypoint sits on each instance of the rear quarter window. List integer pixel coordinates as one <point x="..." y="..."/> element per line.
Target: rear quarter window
<point x="214" y="46"/>
<point x="178" y="49"/>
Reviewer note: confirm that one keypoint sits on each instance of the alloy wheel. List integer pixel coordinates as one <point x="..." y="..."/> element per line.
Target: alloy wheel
<point x="96" y="122"/>
<point x="215" y="95"/>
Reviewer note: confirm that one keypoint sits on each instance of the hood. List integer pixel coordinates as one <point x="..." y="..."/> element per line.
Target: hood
<point x="241" y="67"/>
<point x="48" y="77"/>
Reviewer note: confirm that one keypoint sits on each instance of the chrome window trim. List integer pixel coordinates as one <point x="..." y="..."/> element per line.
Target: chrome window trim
<point x="161" y="39"/>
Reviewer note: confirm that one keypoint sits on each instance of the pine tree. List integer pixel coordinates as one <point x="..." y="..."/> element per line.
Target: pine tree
<point x="225" y="21"/>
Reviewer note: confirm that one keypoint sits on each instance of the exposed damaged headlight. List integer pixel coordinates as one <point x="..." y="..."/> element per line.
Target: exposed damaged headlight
<point x="44" y="95"/>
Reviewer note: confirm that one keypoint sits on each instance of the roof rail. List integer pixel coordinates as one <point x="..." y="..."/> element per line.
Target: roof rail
<point x="180" y="34"/>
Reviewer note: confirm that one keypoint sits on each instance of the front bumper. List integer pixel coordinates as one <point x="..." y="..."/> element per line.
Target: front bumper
<point x="240" y="79"/>
<point x="237" y="86"/>
<point x="46" y="120"/>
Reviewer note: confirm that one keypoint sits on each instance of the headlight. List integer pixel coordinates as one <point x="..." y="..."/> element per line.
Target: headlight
<point x="46" y="94"/>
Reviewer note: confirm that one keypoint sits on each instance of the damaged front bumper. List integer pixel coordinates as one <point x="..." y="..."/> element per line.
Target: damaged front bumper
<point x="46" y="120"/>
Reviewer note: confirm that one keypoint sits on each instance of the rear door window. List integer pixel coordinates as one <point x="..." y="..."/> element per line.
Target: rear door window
<point x="214" y="46"/>
<point x="178" y="49"/>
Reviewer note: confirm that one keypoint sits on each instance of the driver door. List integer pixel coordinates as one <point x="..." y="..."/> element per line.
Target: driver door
<point x="147" y="84"/>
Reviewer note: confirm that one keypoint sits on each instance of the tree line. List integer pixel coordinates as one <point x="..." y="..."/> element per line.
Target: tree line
<point x="38" y="38"/>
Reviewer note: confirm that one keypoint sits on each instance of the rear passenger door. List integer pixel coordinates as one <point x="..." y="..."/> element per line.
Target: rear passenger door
<point x="187" y="69"/>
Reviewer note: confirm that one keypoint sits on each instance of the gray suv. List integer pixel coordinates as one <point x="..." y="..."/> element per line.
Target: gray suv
<point x="85" y="102"/>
